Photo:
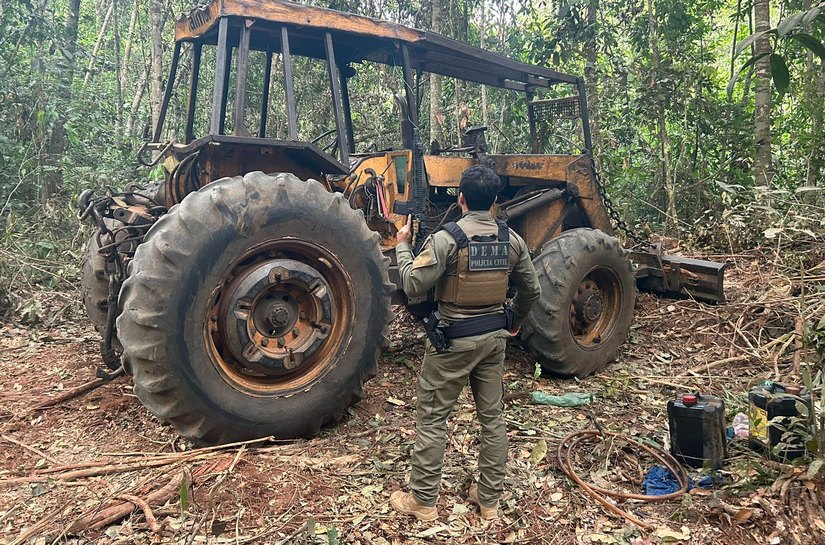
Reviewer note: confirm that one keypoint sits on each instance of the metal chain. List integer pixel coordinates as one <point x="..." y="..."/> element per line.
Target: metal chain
<point x="639" y="238"/>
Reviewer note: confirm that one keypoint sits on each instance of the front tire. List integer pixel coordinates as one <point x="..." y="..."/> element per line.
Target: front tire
<point x="257" y="307"/>
<point x="93" y="284"/>
<point x="587" y="303"/>
<point x="94" y="287"/>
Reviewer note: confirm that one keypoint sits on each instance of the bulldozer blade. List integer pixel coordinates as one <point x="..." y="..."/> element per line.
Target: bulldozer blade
<point x="679" y="277"/>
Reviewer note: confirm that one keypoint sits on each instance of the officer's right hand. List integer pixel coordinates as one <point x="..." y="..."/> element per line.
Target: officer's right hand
<point x="405" y="233"/>
<point x="514" y="332"/>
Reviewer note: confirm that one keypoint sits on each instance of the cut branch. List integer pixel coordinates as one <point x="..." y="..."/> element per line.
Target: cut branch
<point x="98" y="519"/>
<point x="99" y="43"/>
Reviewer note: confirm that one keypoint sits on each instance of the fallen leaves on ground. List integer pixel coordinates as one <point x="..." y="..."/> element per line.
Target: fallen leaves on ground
<point x="335" y="488"/>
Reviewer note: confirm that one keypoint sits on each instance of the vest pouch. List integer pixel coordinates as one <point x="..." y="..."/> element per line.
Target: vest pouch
<point x="473" y="288"/>
<point x="479" y="276"/>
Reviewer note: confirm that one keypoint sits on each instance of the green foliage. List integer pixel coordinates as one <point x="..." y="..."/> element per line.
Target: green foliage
<point x="709" y="128"/>
<point x="183" y="493"/>
<point x="69" y="121"/>
<point x="810" y="43"/>
<point x="779" y="73"/>
<point x="749" y="217"/>
<point x="817" y="337"/>
<point x="782" y="36"/>
<point x="815" y="443"/>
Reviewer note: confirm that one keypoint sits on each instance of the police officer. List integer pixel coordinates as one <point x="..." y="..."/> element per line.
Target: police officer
<point x="469" y="262"/>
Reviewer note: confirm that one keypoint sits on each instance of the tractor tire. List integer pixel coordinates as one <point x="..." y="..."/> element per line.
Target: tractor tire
<point x="256" y="307"/>
<point x="587" y="303"/>
<point x="94" y="288"/>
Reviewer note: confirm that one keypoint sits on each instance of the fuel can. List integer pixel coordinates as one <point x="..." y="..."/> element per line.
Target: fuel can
<point x="697" y="430"/>
<point x="779" y="414"/>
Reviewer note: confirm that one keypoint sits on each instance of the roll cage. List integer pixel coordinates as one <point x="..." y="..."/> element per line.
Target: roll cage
<point x="236" y="27"/>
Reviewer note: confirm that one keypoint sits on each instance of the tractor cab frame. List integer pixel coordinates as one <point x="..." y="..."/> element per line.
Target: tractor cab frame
<point x="551" y="193"/>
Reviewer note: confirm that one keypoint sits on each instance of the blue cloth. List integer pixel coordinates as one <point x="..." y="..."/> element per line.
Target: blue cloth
<point x="706" y="482"/>
<point x="660" y="481"/>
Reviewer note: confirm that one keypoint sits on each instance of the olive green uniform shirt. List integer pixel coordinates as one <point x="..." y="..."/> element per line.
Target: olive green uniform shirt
<point x="419" y="274"/>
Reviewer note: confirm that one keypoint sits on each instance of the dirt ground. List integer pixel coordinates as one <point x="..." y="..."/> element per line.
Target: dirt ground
<point x="63" y="467"/>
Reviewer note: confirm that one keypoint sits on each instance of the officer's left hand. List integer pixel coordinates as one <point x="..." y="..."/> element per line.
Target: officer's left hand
<point x="514" y="332"/>
<point x="405" y="233"/>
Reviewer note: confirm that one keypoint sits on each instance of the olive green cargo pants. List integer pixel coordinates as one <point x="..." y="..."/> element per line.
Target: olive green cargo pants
<point x="442" y="378"/>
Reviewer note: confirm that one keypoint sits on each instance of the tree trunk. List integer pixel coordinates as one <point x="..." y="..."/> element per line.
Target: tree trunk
<point x="698" y="114"/>
<point x="70" y="46"/>
<point x="763" y="170"/>
<point x="813" y="98"/>
<point x="53" y="180"/>
<point x="668" y="180"/>
<point x="130" y="36"/>
<point x="727" y="145"/>
<point x="156" y="74"/>
<point x="120" y="71"/>
<point x="99" y="43"/>
<point x="436" y="112"/>
<point x="482" y="32"/>
<point x="502" y="27"/>
<point x="462" y="110"/>
<point x="816" y="161"/>
<point x="591" y="77"/>
<point x="140" y="89"/>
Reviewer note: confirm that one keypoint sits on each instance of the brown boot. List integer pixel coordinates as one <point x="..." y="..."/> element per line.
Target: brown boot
<point x="405" y="502"/>
<point x="487" y="513"/>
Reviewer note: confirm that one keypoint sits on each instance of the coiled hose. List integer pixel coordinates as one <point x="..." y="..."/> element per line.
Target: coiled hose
<point x="570" y="441"/>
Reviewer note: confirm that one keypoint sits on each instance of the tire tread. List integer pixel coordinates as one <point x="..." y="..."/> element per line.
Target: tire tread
<point x="168" y="249"/>
<point x="557" y="266"/>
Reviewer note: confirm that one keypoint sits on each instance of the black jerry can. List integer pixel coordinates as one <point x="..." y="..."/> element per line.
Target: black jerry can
<point x="777" y="414"/>
<point x="697" y="430"/>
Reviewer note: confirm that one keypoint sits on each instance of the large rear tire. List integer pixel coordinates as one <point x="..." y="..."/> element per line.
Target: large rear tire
<point x="257" y="307"/>
<point x="586" y="306"/>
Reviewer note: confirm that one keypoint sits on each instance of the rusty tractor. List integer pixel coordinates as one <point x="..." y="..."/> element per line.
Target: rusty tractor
<point x="249" y="292"/>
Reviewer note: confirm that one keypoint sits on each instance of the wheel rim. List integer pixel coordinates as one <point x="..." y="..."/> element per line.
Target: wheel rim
<point x="595" y="307"/>
<point x="278" y="321"/>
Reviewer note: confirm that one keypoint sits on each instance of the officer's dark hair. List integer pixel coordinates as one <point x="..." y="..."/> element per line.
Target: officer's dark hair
<point x="480" y="185"/>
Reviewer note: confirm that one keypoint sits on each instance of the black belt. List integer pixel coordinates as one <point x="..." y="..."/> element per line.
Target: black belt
<point x="477" y="326"/>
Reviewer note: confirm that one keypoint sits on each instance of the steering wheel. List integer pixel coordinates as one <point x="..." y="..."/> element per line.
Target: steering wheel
<point x="333" y="145"/>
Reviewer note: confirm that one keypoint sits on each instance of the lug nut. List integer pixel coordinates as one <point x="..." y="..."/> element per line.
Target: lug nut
<point x="295" y="332"/>
<point x="302" y="315"/>
<point x="265" y="342"/>
<point x="281" y="341"/>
